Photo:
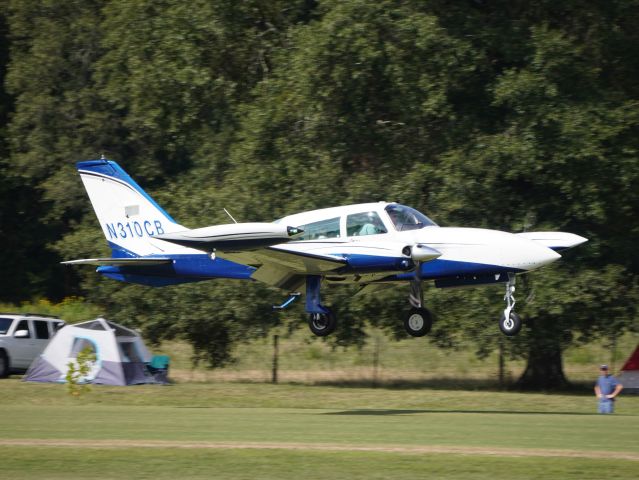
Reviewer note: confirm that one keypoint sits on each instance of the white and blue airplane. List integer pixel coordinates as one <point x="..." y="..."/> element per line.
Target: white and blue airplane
<point x="371" y="245"/>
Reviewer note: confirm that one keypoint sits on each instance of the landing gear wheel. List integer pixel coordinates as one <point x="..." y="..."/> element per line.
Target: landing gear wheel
<point x="511" y="326"/>
<point x="418" y="322"/>
<point x="322" y="324"/>
<point x="4" y="365"/>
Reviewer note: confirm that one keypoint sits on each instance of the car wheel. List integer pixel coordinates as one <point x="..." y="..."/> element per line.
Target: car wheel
<point x="4" y="364"/>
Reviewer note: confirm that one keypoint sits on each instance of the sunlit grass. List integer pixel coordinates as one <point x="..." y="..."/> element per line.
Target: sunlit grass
<point x="194" y="417"/>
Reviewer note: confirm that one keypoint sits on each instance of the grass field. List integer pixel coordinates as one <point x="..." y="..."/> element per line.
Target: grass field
<point x="242" y="431"/>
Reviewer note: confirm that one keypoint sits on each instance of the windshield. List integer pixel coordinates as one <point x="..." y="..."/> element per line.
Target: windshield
<point x="5" y="324"/>
<point x="406" y="218"/>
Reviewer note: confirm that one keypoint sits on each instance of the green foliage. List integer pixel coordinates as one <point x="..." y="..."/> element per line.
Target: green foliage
<point x="500" y="114"/>
<point x="70" y="309"/>
<point x="77" y="372"/>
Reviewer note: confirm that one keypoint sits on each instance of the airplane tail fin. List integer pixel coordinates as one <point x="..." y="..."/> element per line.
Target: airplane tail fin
<point x="129" y="217"/>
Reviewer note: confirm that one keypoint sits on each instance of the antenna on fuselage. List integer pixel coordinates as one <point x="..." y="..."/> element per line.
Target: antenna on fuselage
<point x="230" y="216"/>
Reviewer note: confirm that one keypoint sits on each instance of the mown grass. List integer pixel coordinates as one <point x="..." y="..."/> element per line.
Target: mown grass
<point x="429" y="397"/>
<point x="263" y="413"/>
<point x="157" y="464"/>
<point x="59" y="463"/>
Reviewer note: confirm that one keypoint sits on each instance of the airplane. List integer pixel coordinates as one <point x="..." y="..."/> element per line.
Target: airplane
<point x="370" y="245"/>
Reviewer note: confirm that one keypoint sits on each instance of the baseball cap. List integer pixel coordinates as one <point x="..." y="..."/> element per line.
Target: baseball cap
<point x="603" y="367"/>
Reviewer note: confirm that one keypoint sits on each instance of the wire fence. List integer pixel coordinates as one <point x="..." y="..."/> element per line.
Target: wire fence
<point x="302" y="358"/>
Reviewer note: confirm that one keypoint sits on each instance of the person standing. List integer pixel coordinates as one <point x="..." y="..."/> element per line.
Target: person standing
<point x="607" y="388"/>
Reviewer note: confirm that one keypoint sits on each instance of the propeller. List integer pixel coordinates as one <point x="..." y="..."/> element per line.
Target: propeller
<point x="422" y="253"/>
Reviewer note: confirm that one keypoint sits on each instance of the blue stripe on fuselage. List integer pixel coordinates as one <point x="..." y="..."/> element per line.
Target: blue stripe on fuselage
<point x="185" y="268"/>
<point x="449" y="268"/>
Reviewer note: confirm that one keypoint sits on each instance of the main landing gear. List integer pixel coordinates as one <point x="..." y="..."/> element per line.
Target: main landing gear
<point x="510" y="323"/>
<point x="419" y="320"/>
<point x="321" y="319"/>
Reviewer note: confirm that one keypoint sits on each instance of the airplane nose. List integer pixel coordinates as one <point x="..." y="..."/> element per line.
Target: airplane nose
<point x="530" y="255"/>
<point x="545" y="256"/>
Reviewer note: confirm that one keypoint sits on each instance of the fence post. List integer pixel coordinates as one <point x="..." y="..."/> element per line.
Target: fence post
<point x="501" y="363"/>
<point x="376" y="362"/>
<point x="276" y="354"/>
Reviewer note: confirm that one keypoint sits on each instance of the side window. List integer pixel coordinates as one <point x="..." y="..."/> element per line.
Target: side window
<point x="366" y="223"/>
<point x="41" y="329"/>
<point x="318" y="230"/>
<point x="5" y="325"/>
<point x="23" y="325"/>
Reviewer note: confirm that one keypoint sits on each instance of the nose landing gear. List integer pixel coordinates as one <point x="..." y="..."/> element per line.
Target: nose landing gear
<point x="510" y="323"/>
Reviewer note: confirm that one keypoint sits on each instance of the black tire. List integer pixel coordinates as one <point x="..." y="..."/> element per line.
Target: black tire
<point x="4" y="364"/>
<point x="322" y="324"/>
<point x="418" y="322"/>
<point x="510" y="327"/>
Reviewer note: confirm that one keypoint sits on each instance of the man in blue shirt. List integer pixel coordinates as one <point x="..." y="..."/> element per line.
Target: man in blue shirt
<point x="606" y="389"/>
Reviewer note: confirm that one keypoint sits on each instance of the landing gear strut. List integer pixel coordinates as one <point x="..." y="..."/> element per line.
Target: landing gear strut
<point x="510" y="323"/>
<point x="419" y="320"/>
<point x="321" y="319"/>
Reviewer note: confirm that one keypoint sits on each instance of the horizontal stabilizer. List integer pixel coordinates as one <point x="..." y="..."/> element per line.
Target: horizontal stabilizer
<point x="120" y="262"/>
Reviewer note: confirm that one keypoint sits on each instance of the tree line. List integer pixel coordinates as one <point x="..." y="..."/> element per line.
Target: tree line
<point x="513" y="115"/>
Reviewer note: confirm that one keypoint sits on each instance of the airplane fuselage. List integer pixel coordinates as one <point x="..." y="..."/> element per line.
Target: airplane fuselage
<point x="372" y="245"/>
<point x="378" y="254"/>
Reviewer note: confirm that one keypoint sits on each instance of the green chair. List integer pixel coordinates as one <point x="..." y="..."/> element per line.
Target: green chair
<point x="159" y="368"/>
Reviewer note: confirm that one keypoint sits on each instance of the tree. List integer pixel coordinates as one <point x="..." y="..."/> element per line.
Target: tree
<point x="561" y="126"/>
<point x="54" y="121"/>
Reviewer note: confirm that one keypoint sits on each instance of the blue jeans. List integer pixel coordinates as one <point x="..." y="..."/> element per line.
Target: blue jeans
<point x="606" y="405"/>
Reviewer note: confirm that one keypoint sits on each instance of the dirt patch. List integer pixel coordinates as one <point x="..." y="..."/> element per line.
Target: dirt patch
<point x="405" y="449"/>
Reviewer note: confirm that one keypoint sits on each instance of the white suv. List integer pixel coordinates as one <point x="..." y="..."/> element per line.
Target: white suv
<point x="23" y="336"/>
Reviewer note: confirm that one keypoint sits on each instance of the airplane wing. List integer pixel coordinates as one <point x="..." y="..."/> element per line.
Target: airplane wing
<point x="285" y="268"/>
<point x="254" y="244"/>
<point x="232" y="237"/>
<point x="120" y="262"/>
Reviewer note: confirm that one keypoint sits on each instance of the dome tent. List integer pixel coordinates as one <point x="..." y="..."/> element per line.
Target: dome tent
<point x="121" y="357"/>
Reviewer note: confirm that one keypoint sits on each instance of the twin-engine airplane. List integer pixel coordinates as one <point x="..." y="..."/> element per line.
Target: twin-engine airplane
<point x="372" y="245"/>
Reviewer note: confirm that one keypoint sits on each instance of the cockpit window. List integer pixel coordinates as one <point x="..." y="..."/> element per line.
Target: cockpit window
<point x="366" y="223"/>
<point x="406" y="218"/>
<point x="320" y="230"/>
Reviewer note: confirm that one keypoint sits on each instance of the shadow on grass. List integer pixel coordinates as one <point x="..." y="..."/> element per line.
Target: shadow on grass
<point x="461" y="384"/>
<point x="386" y="412"/>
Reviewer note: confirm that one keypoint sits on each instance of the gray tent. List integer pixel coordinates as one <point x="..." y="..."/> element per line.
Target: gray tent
<point x="121" y="356"/>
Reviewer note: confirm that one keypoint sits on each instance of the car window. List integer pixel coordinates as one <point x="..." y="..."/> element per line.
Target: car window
<point x="5" y="325"/>
<point x="24" y="325"/>
<point x="41" y="329"/>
